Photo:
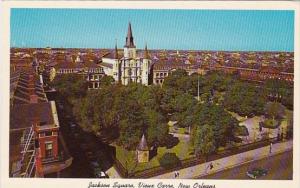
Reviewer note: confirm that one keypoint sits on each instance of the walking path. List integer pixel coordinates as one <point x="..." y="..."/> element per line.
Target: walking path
<point x="113" y="173"/>
<point x="229" y="162"/>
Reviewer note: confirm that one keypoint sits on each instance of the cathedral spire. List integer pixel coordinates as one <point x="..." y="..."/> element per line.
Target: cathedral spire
<point x="129" y="38"/>
<point x="116" y="56"/>
<point x="146" y="53"/>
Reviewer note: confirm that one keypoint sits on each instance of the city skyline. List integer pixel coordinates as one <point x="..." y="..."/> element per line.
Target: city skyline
<point x="224" y="30"/>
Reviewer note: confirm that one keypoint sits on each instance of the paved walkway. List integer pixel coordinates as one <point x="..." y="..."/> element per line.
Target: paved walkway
<point x="229" y="162"/>
<point x="113" y="173"/>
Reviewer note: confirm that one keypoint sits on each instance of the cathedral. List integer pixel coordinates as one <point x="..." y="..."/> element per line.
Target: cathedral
<point x="128" y="67"/>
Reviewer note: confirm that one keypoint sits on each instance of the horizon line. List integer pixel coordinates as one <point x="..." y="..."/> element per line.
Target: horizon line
<point x="158" y="49"/>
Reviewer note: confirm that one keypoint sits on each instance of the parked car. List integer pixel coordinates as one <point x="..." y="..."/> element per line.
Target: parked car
<point x="98" y="173"/>
<point x="257" y="173"/>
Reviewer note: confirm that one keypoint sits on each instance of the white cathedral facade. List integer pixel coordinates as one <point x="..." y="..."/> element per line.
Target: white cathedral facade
<point x="130" y="67"/>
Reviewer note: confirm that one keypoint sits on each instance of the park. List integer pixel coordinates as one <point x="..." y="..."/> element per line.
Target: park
<point x="189" y="119"/>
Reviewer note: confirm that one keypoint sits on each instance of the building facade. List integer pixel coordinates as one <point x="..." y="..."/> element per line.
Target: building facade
<point x="91" y="71"/>
<point x="129" y="67"/>
<point x="36" y="146"/>
<point x="259" y="74"/>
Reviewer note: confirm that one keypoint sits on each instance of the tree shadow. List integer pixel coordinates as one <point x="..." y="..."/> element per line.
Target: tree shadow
<point x="170" y="141"/>
<point x="153" y="152"/>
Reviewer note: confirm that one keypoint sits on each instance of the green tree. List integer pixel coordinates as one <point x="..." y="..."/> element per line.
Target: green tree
<point x="176" y="79"/>
<point x="275" y="110"/>
<point x="280" y="91"/>
<point x="70" y="85"/>
<point x="245" y="99"/>
<point x="169" y="160"/>
<point x="123" y="113"/>
<point x="71" y="88"/>
<point x="218" y="81"/>
<point x="222" y="123"/>
<point x="157" y="127"/>
<point x="178" y="106"/>
<point x="290" y="125"/>
<point x="106" y="81"/>
<point x="204" y="141"/>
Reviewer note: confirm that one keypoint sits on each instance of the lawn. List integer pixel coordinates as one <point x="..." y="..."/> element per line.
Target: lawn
<point x="128" y="158"/>
<point x="178" y="130"/>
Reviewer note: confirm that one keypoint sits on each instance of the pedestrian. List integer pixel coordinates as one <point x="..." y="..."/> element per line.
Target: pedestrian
<point x="260" y="127"/>
<point x="175" y="174"/>
<point x="271" y="147"/>
<point x="211" y="166"/>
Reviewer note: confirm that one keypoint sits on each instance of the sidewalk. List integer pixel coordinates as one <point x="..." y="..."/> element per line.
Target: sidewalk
<point x="229" y="162"/>
<point x="113" y="173"/>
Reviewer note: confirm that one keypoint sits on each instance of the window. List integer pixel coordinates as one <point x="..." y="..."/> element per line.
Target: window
<point x="48" y="133"/>
<point x="49" y="149"/>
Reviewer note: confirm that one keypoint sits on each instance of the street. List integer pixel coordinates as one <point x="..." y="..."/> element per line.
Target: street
<point x="84" y="148"/>
<point x="279" y="168"/>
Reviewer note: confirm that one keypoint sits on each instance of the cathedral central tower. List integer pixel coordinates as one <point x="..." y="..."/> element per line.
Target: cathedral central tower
<point x="129" y="48"/>
<point x="129" y="68"/>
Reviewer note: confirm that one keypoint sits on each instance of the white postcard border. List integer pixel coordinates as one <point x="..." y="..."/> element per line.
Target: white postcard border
<point x="7" y="182"/>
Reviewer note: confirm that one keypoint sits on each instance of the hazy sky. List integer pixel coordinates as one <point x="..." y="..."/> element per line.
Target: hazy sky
<point x="253" y="30"/>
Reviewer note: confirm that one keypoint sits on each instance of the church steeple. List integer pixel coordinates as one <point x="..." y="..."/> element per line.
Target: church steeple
<point x="146" y="53"/>
<point x="116" y="56"/>
<point x="129" y="38"/>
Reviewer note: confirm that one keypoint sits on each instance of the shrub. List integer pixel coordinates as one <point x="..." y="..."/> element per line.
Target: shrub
<point x="241" y="131"/>
<point x="169" y="160"/>
<point x="270" y="123"/>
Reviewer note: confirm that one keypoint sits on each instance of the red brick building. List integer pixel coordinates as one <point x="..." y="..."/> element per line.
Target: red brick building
<point x="36" y="146"/>
<point x="260" y="74"/>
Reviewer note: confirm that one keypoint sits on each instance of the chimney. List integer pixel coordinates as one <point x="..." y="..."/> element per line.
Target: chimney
<point x="33" y="98"/>
<point x="35" y="122"/>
